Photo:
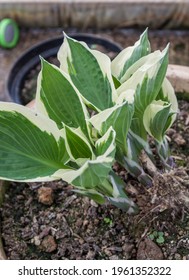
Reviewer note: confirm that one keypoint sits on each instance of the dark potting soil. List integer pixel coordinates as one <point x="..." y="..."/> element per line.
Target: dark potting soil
<point x="49" y="221"/>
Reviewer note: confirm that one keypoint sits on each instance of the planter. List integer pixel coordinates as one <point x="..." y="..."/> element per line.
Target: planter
<point x="47" y="49"/>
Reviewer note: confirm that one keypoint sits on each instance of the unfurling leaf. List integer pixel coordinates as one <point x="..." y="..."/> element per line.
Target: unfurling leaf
<point x="158" y="117"/>
<point x="126" y="58"/>
<point x="119" y="117"/>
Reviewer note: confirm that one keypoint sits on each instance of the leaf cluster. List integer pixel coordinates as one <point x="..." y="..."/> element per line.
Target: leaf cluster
<point x="89" y="113"/>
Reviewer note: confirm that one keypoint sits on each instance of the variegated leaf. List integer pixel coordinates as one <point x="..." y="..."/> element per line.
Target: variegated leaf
<point x="94" y="172"/>
<point x="164" y="153"/>
<point x="137" y="171"/>
<point x="145" y="60"/>
<point x="92" y="194"/>
<point x="90" y="175"/>
<point x="31" y="146"/>
<point x="126" y="58"/>
<point x="58" y="98"/>
<point x="147" y="81"/>
<point x="167" y="94"/>
<point x="119" y="117"/>
<point x="158" y="117"/>
<point x="106" y="144"/>
<point x="89" y="71"/>
<point x="77" y="145"/>
<point x="136" y="145"/>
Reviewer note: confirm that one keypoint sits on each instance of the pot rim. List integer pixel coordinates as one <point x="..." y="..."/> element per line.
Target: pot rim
<point x="47" y="48"/>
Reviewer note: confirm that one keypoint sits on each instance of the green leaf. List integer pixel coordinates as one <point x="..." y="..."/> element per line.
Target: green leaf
<point x="60" y="99"/>
<point x="133" y="167"/>
<point x="126" y="58"/>
<point x="147" y="81"/>
<point x="116" y="82"/>
<point x="31" y="146"/>
<point x="137" y="127"/>
<point x="151" y="84"/>
<point x="135" y="146"/>
<point x="92" y="194"/>
<point x="160" y="240"/>
<point x="167" y="94"/>
<point x="77" y="145"/>
<point x="90" y="175"/>
<point x="106" y="144"/>
<point x="108" y="221"/>
<point x="119" y="117"/>
<point x="121" y="121"/>
<point x="164" y="152"/>
<point x="157" y="119"/>
<point x="151" y="236"/>
<point x="94" y="84"/>
<point x="118" y="185"/>
<point x="125" y="204"/>
<point x="94" y="173"/>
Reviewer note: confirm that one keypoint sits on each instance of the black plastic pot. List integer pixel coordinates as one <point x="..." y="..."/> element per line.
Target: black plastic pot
<point x="30" y="59"/>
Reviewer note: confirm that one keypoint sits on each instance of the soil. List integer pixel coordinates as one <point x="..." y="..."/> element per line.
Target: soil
<point x="49" y="221"/>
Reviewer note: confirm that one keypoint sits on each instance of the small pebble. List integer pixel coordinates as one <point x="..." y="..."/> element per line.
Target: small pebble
<point x="37" y="240"/>
<point x="93" y="203"/>
<point x="45" y="195"/>
<point x="148" y="250"/>
<point x="179" y="140"/>
<point x="48" y="244"/>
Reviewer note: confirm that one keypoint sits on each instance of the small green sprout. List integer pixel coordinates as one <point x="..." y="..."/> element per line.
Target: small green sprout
<point x="108" y="221"/>
<point x="158" y="236"/>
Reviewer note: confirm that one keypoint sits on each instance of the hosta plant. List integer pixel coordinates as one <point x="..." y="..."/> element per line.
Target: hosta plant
<point x="89" y="113"/>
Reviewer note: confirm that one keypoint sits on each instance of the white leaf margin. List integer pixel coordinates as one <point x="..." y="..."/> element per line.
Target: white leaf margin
<point x="43" y="123"/>
<point x="102" y="59"/>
